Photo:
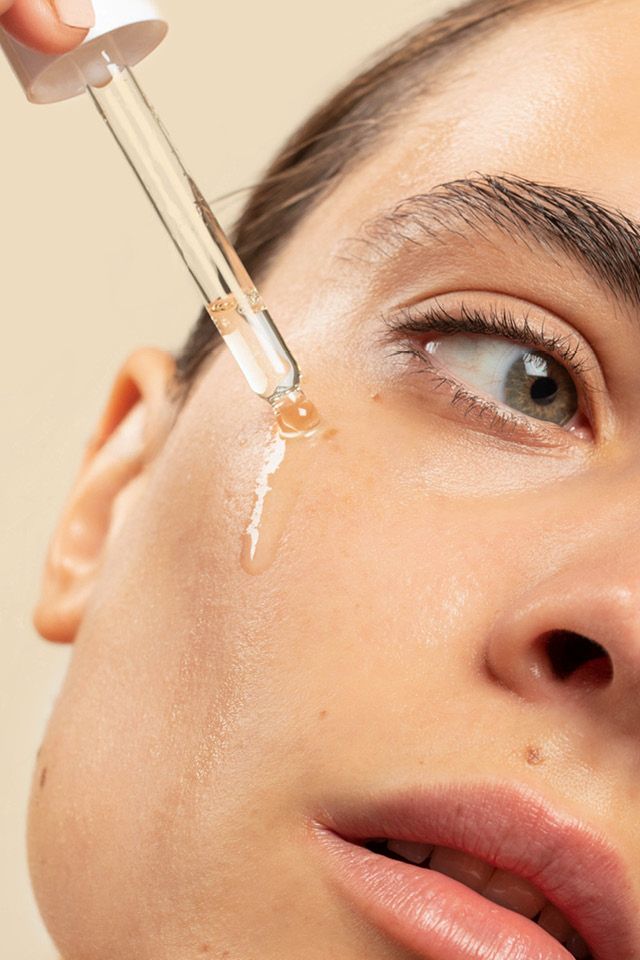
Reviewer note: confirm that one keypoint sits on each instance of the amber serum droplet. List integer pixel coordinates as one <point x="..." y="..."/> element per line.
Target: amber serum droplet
<point x="295" y="414"/>
<point x="280" y="480"/>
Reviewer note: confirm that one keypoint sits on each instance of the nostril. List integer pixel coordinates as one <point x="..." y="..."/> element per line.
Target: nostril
<point x="576" y="659"/>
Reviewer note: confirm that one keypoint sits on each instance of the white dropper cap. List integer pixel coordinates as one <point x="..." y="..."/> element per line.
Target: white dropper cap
<point x="136" y="27"/>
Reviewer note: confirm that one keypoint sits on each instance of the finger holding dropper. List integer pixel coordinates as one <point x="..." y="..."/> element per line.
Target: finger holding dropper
<point x="51" y="27"/>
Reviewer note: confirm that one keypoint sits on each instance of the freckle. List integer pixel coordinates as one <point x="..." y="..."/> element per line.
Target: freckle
<point x="205" y="948"/>
<point x="534" y="756"/>
<point x="323" y="714"/>
<point x="43" y="777"/>
<point x="330" y="433"/>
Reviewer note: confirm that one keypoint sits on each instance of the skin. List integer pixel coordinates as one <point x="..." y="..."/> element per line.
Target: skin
<point x="36" y="24"/>
<point x="209" y="715"/>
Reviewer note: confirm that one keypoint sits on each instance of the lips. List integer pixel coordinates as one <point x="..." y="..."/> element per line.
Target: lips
<point x="510" y="828"/>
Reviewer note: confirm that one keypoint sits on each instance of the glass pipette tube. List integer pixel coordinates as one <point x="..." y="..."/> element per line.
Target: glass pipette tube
<point x="230" y="297"/>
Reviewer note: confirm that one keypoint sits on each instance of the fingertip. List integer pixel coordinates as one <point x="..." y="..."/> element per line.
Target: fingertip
<point x="37" y="24"/>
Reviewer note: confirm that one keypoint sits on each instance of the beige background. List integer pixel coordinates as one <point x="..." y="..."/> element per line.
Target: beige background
<point x="88" y="274"/>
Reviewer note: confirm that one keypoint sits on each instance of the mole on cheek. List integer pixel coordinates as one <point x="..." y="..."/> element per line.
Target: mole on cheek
<point x="534" y="755"/>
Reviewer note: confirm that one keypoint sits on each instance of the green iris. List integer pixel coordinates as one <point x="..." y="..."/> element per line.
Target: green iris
<point x="540" y="387"/>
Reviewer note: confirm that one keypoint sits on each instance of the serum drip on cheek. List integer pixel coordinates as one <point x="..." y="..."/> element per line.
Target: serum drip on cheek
<point x="281" y="480"/>
<point x="260" y="539"/>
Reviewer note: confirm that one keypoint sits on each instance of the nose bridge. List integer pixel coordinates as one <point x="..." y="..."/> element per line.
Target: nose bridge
<point x="606" y="544"/>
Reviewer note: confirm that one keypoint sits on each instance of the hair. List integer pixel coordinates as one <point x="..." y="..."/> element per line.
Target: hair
<point x="337" y="135"/>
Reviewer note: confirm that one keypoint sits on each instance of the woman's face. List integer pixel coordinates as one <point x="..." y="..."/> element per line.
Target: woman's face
<point x="429" y="570"/>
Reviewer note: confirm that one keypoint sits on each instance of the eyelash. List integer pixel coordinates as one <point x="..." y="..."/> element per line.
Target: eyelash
<point x="413" y="321"/>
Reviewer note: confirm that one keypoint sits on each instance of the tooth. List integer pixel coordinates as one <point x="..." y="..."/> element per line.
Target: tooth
<point x="461" y="866"/>
<point x="576" y="945"/>
<point x="514" y="893"/>
<point x="414" y="852"/>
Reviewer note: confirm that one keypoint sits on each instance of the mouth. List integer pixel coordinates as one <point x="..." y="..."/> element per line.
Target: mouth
<point x="484" y="872"/>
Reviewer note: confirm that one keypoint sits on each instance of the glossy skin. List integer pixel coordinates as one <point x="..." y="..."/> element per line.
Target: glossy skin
<point x="209" y="715"/>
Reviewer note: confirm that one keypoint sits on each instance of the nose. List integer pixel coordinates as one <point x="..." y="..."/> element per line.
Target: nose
<point x="576" y="636"/>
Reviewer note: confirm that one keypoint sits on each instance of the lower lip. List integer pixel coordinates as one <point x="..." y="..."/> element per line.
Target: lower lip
<point x="431" y="914"/>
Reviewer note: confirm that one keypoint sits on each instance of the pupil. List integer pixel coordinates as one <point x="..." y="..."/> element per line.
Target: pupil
<point x="544" y="390"/>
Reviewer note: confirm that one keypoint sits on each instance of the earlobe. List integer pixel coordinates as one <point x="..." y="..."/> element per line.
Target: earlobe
<point x="136" y="421"/>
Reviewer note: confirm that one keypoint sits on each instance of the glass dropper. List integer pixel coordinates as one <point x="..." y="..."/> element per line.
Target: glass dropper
<point x="231" y="299"/>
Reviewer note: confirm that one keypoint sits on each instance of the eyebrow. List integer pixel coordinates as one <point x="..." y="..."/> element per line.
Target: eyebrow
<point x="602" y="239"/>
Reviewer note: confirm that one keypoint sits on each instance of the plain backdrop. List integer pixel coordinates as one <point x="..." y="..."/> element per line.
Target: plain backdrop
<point x="87" y="274"/>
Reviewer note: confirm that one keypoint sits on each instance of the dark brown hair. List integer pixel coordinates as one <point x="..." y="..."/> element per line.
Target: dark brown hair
<point x="337" y="134"/>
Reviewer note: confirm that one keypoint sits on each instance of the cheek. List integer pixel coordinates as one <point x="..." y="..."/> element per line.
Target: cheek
<point x="197" y="689"/>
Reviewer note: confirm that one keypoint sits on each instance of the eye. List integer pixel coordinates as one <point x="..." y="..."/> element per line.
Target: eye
<point x="531" y="382"/>
<point x="512" y="367"/>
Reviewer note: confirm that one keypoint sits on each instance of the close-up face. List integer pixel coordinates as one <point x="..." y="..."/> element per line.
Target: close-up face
<point x="420" y="623"/>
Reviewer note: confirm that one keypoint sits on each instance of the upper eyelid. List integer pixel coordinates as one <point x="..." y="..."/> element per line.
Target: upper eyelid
<point x="486" y="322"/>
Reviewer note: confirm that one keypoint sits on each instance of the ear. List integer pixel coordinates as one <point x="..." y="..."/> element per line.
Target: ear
<point x="136" y="421"/>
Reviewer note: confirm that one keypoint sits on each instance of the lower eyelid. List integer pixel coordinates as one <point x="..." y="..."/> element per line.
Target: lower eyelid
<point x="462" y="395"/>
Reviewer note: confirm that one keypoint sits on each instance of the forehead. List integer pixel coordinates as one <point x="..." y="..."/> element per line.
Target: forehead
<point x="551" y="96"/>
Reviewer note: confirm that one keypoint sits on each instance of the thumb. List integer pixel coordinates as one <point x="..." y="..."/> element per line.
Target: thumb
<point x="51" y="26"/>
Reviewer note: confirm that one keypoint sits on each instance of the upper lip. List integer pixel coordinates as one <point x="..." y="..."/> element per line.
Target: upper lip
<point x="514" y="829"/>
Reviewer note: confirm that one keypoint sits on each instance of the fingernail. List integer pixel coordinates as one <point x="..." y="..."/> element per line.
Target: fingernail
<point x="76" y="13"/>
